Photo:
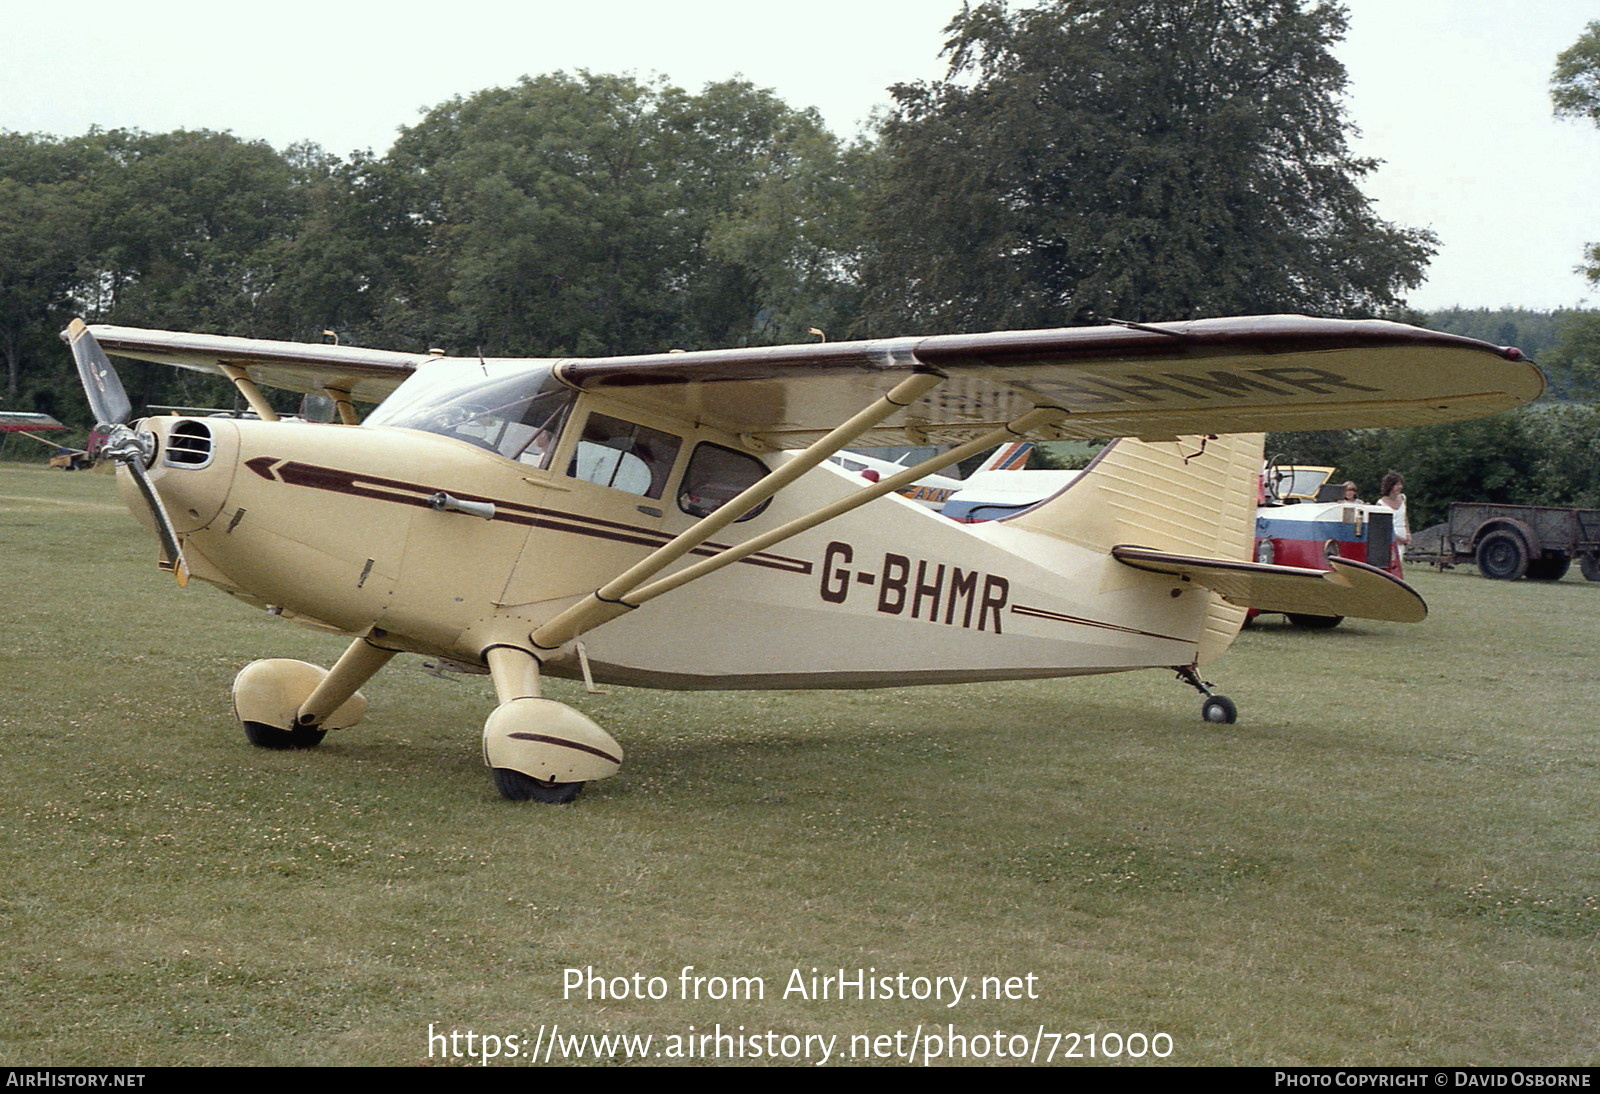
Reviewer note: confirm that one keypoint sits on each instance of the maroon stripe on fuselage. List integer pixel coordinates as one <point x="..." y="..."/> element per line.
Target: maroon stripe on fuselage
<point x="354" y="484"/>
<point x="1058" y="617"/>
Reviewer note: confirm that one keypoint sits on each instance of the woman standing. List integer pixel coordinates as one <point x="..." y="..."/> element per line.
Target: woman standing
<point x="1393" y="497"/>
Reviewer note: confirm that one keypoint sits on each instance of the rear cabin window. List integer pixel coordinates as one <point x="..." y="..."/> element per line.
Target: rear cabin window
<point x="624" y="456"/>
<point x="716" y="476"/>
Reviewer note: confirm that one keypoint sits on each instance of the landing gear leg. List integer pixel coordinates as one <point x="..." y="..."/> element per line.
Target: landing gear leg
<point x="1217" y="709"/>
<point x="360" y="663"/>
<point x="283" y="703"/>
<point x="539" y="749"/>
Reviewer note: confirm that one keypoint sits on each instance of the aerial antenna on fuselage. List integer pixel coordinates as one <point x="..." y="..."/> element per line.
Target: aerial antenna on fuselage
<point x="481" y="362"/>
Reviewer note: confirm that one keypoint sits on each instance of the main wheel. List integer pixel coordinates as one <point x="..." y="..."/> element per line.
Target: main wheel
<point x="1590" y="565"/>
<point x="517" y="787"/>
<point x="264" y="736"/>
<point x="1219" y="710"/>
<point x="1502" y="556"/>
<point x="1549" y="568"/>
<point x="1315" y="622"/>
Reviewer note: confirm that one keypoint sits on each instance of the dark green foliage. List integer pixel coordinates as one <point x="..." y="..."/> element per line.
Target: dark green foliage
<point x="595" y="214"/>
<point x="566" y="215"/>
<point x="1565" y="342"/>
<point x="43" y="242"/>
<point x="1566" y="442"/>
<point x="1545" y="454"/>
<point x="1533" y="332"/>
<point x="1139" y="159"/>
<point x="1488" y="459"/>
<point x="1573" y="361"/>
<point x="174" y="230"/>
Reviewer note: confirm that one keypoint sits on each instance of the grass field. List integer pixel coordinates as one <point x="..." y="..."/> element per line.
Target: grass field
<point x="1393" y="856"/>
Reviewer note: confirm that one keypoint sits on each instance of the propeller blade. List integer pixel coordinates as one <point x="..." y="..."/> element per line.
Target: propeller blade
<point x="172" y="554"/>
<point x="107" y="398"/>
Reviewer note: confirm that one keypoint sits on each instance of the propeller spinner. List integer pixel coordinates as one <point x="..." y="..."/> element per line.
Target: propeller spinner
<point x="123" y="444"/>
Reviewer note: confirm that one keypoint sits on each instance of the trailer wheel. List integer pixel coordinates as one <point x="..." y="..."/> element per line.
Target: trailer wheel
<point x="1590" y="565"/>
<point x="1549" y="568"/>
<point x="1502" y="556"/>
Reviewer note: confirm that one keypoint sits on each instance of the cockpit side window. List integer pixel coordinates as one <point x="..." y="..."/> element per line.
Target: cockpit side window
<point x="624" y="456"/>
<point x="531" y="439"/>
<point x="716" y="476"/>
<point x="518" y="414"/>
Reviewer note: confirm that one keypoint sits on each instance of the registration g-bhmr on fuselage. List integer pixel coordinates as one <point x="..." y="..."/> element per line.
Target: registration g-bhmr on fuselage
<point x="530" y="517"/>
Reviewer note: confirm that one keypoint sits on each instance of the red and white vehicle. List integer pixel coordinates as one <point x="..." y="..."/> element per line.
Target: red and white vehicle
<point x="1295" y="528"/>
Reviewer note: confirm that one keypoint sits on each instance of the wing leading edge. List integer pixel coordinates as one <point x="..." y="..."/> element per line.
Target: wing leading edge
<point x="369" y="375"/>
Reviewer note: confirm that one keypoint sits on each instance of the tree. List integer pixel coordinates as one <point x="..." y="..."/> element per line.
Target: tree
<point x="1575" y="91"/>
<point x="1575" y="86"/>
<point x="594" y="214"/>
<point x="185" y="224"/>
<point x="43" y="250"/>
<point x="1138" y="159"/>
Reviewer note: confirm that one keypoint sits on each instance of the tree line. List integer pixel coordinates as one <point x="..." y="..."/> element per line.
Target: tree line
<point x="1133" y="159"/>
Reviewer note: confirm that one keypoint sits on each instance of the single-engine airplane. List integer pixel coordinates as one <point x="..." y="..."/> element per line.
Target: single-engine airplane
<point x="525" y="517"/>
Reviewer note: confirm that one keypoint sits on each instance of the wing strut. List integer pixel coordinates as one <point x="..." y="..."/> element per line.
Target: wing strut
<point x="252" y="394"/>
<point x="590" y="613"/>
<point x="606" y="602"/>
<point x="342" y="403"/>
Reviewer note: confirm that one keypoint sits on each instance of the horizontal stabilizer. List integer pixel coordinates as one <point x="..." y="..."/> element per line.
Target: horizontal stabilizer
<point x="1351" y="588"/>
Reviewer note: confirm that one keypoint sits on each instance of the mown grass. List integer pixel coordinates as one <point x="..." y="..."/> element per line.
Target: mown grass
<point x="1393" y="857"/>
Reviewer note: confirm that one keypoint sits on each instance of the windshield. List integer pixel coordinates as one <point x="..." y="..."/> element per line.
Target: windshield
<point x="513" y="408"/>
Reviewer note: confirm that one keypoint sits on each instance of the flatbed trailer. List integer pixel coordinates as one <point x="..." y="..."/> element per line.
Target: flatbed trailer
<point x="1507" y="542"/>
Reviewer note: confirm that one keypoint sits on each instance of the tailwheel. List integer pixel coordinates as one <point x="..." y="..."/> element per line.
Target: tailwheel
<point x="517" y="787"/>
<point x="300" y="737"/>
<point x="1217" y="709"/>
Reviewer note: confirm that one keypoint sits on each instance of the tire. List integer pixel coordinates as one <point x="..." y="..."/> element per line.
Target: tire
<point x="1315" y="622"/>
<point x="1590" y="566"/>
<point x="1550" y="568"/>
<point x="281" y="740"/>
<point x="1219" y="710"/>
<point x="517" y="787"/>
<point x="1502" y="556"/>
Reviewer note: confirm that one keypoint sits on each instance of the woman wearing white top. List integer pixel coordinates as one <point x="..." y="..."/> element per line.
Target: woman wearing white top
<point x="1393" y="484"/>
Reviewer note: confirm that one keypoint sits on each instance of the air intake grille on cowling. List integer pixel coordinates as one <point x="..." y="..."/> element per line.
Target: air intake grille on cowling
<point x="189" y="444"/>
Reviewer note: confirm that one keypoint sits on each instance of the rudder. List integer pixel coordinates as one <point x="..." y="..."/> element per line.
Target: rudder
<point x="1195" y="495"/>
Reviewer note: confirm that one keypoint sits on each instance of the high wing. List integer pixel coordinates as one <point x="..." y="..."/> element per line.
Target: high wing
<point x="368" y="375"/>
<point x="1154" y="382"/>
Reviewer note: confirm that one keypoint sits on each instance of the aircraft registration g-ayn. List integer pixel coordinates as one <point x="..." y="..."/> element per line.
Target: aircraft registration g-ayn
<point x="670" y="520"/>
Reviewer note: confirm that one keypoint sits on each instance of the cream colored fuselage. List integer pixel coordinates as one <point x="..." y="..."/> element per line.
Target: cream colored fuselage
<point x="333" y="527"/>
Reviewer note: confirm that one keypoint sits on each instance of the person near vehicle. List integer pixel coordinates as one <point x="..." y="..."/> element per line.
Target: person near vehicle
<point x="1394" y="497"/>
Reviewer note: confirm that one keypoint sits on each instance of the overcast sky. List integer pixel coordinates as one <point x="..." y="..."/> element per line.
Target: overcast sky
<point x="1451" y="94"/>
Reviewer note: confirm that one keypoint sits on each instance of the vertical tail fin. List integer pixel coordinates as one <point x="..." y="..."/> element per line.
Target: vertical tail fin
<point x="1192" y="496"/>
<point x="1008" y="457"/>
